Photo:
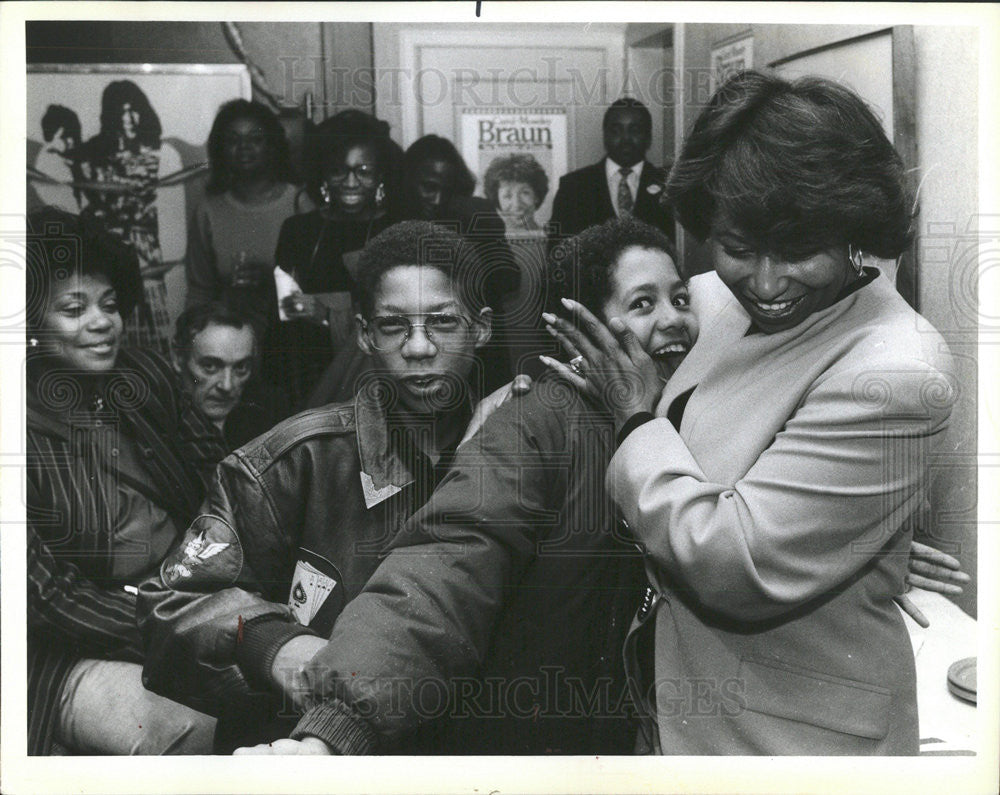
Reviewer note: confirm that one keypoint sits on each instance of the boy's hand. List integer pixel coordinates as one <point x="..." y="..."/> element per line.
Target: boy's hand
<point x="307" y="746"/>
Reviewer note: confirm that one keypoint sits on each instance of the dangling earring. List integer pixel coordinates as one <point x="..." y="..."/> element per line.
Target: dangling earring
<point x="324" y="192"/>
<point x="380" y="195"/>
<point x="856" y="258"/>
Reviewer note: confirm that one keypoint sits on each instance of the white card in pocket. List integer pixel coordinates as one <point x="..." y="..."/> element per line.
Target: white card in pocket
<point x="310" y="589"/>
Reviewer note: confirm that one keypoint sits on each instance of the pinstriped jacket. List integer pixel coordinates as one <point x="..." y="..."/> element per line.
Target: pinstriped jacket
<point x="76" y="609"/>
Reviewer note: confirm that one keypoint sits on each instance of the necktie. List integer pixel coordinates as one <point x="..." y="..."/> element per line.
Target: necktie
<point x="624" y="194"/>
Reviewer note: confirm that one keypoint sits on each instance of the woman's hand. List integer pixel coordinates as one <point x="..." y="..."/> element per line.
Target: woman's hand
<point x="302" y="306"/>
<point x="614" y="368"/>
<point x="930" y="570"/>
<point x="521" y="385"/>
<point x="307" y="746"/>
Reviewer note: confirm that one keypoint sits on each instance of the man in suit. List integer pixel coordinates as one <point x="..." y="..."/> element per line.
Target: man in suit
<point x="623" y="182"/>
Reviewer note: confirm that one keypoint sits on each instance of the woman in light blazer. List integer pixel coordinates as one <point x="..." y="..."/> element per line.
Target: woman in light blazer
<point x="772" y="483"/>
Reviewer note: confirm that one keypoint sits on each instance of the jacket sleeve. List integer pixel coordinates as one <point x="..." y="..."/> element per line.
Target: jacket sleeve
<point x="208" y="631"/>
<point x="203" y="279"/>
<point x="833" y="488"/>
<point x="66" y="606"/>
<point x="428" y="612"/>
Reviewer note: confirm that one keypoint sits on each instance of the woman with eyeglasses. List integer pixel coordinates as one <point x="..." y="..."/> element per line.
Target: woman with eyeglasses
<point x="353" y="168"/>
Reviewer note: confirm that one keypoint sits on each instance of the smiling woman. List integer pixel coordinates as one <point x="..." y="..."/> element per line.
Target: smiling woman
<point x="114" y="469"/>
<point x="766" y="489"/>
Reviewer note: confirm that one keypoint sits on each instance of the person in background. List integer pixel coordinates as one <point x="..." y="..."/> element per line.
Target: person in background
<point x="115" y="467"/>
<point x="214" y="353"/>
<point x="354" y="167"/>
<point x="123" y="163"/>
<point x="250" y="193"/>
<point x="59" y="158"/>
<point x="300" y="516"/>
<point x="766" y="483"/>
<point x="436" y="185"/>
<point x="622" y="182"/>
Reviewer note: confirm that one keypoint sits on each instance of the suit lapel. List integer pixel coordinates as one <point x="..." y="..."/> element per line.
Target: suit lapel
<point x="603" y="208"/>
<point x="646" y="202"/>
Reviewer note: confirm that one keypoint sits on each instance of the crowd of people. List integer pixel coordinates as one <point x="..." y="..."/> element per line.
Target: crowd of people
<point x="328" y="523"/>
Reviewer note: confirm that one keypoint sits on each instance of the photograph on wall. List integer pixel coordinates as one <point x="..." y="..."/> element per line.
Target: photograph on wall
<point x="526" y="145"/>
<point x="124" y="145"/>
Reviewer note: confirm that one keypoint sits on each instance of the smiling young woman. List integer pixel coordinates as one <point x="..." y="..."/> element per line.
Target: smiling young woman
<point x="115" y="468"/>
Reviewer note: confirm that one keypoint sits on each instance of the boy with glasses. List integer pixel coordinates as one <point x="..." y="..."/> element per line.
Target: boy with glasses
<point x="296" y="520"/>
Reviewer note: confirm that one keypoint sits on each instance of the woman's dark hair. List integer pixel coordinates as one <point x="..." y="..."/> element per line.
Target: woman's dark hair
<point x="59" y="116"/>
<point x="419" y="243"/>
<point x="116" y="95"/>
<point x="434" y="147"/>
<point x="794" y="167"/>
<point x="279" y="160"/>
<point x="329" y="142"/>
<point x="515" y="168"/>
<point x="59" y="245"/>
<point x="582" y="267"/>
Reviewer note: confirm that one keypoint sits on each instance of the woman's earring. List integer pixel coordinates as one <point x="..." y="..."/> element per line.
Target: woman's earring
<point x="856" y="258"/>
<point x="324" y="192"/>
<point x="380" y="195"/>
<point x="32" y="342"/>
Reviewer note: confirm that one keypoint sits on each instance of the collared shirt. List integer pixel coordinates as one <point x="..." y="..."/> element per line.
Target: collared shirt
<point x="612" y="172"/>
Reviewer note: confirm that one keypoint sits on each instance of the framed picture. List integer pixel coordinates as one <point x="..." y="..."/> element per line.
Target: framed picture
<point x="879" y="67"/>
<point x="730" y="55"/>
<point x="126" y="143"/>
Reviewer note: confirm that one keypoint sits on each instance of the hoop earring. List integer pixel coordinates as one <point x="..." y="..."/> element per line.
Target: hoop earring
<point x="856" y="258"/>
<point x="324" y="192"/>
<point x="380" y="195"/>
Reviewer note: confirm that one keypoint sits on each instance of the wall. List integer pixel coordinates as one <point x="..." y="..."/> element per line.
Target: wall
<point x="946" y="97"/>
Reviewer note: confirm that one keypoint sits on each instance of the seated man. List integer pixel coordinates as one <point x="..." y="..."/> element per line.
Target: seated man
<point x="296" y="520"/>
<point x="214" y="352"/>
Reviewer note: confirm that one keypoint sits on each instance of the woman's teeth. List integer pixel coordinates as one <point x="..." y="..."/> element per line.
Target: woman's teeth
<point x="669" y="350"/>
<point x="776" y="307"/>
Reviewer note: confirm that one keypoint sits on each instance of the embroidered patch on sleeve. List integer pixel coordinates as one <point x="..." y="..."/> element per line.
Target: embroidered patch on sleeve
<point x="209" y="558"/>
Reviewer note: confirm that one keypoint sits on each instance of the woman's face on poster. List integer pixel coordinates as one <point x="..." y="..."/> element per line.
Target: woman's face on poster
<point x="130" y="121"/>
<point x="517" y="199"/>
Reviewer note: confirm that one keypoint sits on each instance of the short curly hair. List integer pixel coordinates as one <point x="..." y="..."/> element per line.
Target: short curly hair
<point x="794" y="166"/>
<point x="60" y="245"/>
<point x="582" y="267"/>
<point x="420" y="243"/>
<point x="515" y="168"/>
<point x="328" y="143"/>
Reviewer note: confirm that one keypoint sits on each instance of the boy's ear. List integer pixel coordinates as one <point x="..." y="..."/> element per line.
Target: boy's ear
<point x="484" y="326"/>
<point x="363" y="342"/>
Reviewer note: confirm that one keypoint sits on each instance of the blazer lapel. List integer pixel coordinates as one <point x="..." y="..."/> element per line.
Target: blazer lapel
<point x="646" y="202"/>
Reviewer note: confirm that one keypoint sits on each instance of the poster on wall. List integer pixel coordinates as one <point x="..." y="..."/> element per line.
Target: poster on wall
<point x="729" y="56"/>
<point x="126" y="144"/>
<point x="518" y="154"/>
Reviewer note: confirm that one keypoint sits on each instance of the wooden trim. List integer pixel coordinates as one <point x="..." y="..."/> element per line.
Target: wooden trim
<point x="904" y="126"/>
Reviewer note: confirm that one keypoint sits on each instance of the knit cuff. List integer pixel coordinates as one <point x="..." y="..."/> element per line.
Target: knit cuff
<point x="633" y="422"/>
<point x="336" y="724"/>
<point x="261" y="639"/>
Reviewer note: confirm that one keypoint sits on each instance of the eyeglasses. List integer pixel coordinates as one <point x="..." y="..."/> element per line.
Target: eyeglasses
<point x="362" y="172"/>
<point x="390" y="332"/>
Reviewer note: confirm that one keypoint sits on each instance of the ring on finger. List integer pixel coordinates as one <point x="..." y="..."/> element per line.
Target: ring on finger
<point x="576" y="365"/>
